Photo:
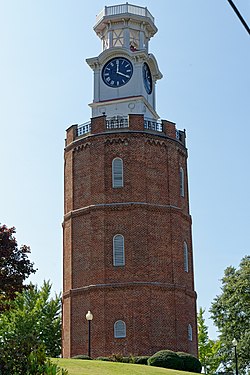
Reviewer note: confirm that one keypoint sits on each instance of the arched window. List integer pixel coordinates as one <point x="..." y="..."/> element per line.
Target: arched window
<point x="185" y="251"/>
<point x="118" y="250"/>
<point x="119" y="329"/>
<point x="182" y="188"/>
<point x="190" y="333"/>
<point x="117" y="173"/>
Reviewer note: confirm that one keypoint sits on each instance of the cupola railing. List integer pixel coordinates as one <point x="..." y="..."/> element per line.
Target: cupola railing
<point x="124" y="8"/>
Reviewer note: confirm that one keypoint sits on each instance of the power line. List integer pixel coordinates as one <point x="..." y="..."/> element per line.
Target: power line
<point x="239" y="16"/>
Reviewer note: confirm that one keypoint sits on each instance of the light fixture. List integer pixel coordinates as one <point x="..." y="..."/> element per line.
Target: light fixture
<point x="234" y="342"/>
<point x="89" y="317"/>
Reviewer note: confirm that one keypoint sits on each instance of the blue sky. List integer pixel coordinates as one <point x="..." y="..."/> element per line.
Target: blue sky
<point x="45" y="86"/>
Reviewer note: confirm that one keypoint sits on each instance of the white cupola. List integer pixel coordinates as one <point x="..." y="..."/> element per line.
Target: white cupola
<point x="125" y="73"/>
<point x="125" y="25"/>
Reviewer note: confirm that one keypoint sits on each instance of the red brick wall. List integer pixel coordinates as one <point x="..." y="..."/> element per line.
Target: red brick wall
<point x="152" y="293"/>
<point x="156" y="318"/>
<point x="98" y="124"/>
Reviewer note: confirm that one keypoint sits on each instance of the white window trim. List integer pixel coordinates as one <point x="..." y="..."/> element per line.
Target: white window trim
<point x="190" y="333"/>
<point x="120" y="331"/>
<point x="119" y="263"/>
<point x="117" y="178"/>
<point x="185" y="254"/>
<point x="182" y="182"/>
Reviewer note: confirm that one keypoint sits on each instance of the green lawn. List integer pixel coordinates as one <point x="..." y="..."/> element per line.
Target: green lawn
<point x="85" y="367"/>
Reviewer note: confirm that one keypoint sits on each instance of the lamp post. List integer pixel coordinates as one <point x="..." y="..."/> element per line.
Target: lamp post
<point x="234" y="342"/>
<point x="89" y="317"/>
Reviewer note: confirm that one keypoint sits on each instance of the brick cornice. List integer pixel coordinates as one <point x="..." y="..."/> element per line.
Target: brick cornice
<point x="131" y="285"/>
<point x="154" y="138"/>
<point x="122" y="206"/>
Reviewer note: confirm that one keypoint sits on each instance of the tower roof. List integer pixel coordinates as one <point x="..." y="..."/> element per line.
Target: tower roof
<point x="125" y="11"/>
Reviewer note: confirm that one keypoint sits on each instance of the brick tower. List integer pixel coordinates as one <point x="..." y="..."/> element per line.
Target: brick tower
<point x="127" y="227"/>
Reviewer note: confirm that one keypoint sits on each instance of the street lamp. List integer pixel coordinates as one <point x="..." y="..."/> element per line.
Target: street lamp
<point x="89" y="317"/>
<point x="234" y="342"/>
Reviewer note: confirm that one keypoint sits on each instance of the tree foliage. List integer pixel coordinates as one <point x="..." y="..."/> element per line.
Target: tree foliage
<point x="203" y="340"/>
<point x="15" y="266"/>
<point x="231" y="314"/>
<point x="33" y="321"/>
<point x="208" y="349"/>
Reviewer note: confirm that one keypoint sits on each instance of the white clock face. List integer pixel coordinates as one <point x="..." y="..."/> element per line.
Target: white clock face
<point x="117" y="72"/>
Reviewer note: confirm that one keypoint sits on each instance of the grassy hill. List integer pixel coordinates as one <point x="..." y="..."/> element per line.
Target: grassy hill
<point x="85" y="367"/>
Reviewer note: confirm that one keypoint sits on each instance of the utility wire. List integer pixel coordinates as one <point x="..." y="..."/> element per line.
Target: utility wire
<point x="240" y="16"/>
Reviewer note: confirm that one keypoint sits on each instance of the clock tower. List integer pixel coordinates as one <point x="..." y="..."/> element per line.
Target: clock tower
<point x="125" y="73"/>
<point x="127" y="227"/>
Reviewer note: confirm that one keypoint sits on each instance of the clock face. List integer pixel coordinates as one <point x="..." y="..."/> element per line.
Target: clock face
<point x="117" y="72"/>
<point x="147" y="78"/>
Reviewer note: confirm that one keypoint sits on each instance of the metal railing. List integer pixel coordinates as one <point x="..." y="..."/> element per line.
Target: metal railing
<point x="180" y="136"/>
<point x="122" y="122"/>
<point x="84" y="128"/>
<point x="118" y="122"/>
<point x="124" y="8"/>
<point x="150" y="124"/>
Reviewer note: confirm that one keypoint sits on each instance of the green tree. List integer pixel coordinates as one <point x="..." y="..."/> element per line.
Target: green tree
<point x="15" y="266"/>
<point x="230" y="312"/>
<point x="208" y="349"/>
<point x="33" y="321"/>
<point x="203" y="340"/>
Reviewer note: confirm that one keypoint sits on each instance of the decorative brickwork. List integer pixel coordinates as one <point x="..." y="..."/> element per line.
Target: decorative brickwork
<point x="152" y="293"/>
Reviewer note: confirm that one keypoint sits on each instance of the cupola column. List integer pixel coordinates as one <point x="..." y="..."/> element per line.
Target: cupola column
<point x="141" y="40"/>
<point x="96" y="84"/>
<point x="126" y="37"/>
<point x="110" y="38"/>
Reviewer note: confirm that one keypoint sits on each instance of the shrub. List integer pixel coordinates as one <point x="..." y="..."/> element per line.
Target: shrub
<point x="81" y="356"/>
<point x="116" y="357"/>
<point x="141" y="360"/>
<point x="108" y="359"/>
<point x="127" y="359"/>
<point x="190" y="363"/>
<point x="166" y="359"/>
<point x="38" y="364"/>
<point x="176" y="361"/>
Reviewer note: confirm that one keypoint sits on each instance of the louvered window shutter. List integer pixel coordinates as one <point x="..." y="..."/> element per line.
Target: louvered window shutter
<point x="185" y="248"/>
<point x="118" y="250"/>
<point x="190" y="333"/>
<point x="117" y="173"/>
<point x="182" y="188"/>
<point x="119" y="329"/>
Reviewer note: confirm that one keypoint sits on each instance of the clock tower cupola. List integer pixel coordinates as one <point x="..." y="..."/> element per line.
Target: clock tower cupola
<point x="125" y="73"/>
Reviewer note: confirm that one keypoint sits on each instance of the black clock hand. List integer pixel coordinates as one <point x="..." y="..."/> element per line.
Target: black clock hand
<point x="122" y="74"/>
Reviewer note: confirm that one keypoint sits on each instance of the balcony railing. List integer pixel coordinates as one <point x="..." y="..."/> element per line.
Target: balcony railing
<point x="180" y="135"/>
<point x="152" y="125"/>
<point x="84" y="128"/>
<point x="124" y="8"/>
<point x="118" y="122"/>
<point x="122" y="122"/>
